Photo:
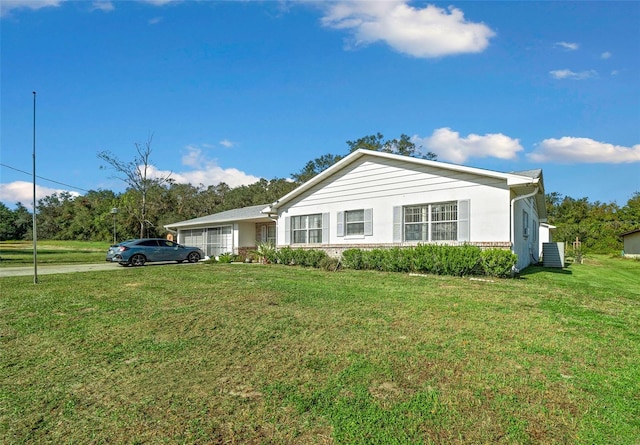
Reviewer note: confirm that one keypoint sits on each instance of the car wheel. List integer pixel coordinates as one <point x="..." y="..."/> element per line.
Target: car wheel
<point x="193" y="257"/>
<point x="137" y="260"/>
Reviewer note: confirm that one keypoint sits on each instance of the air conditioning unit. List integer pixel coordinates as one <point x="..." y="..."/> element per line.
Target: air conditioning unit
<point x="526" y="231"/>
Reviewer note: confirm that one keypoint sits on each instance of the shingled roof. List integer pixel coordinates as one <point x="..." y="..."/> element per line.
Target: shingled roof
<point x="243" y="214"/>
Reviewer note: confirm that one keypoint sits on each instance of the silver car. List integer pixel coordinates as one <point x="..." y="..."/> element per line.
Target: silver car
<point x="137" y="252"/>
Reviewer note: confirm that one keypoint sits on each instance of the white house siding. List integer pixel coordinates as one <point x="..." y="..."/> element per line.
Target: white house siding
<point x="387" y="183"/>
<point x="526" y="246"/>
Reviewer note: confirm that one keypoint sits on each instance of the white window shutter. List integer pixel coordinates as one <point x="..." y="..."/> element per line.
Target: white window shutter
<point x="397" y="224"/>
<point x="340" y="224"/>
<point x="368" y="221"/>
<point x="463" y="220"/>
<point x="287" y="230"/>
<point x="325" y="228"/>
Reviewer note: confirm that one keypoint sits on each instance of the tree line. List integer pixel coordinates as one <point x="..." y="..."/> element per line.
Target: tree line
<point x="148" y="204"/>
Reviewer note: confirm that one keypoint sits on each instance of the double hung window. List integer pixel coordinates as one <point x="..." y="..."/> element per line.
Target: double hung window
<point x="434" y="222"/>
<point x="354" y="222"/>
<point x="306" y="229"/>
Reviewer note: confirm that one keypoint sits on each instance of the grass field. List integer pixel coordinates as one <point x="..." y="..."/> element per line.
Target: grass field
<point x="282" y="355"/>
<point x="20" y="253"/>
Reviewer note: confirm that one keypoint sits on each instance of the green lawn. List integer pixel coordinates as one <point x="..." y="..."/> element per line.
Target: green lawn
<point x="283" y="355"/>
<point x="20" y="253"/>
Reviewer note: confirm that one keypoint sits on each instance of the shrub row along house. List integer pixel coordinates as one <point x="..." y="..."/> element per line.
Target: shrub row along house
<point x="372" y="199"/>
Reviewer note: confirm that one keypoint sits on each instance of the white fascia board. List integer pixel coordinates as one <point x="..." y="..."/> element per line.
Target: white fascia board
<point x="197" y="224"/>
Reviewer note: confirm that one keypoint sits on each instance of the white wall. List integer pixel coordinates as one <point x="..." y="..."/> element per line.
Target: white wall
<point x="383" y="184"/>
<point x="246" y="234"/>
<point x="526" y="247"/>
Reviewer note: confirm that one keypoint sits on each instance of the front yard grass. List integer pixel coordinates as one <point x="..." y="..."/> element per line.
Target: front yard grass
<point x="272" y="354"/>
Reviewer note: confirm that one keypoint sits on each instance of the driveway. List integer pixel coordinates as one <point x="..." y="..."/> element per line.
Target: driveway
<point x="47" y="269"/>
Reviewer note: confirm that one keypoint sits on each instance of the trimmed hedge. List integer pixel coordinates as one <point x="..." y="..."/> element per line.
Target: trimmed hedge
<point x="300" y="257"/>
<point x="434" y="259"/>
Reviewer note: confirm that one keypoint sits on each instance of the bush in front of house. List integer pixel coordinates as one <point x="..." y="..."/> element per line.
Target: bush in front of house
<point x="352" y="259"/>
<point x="435" y="259"/>
<point x="498" y="263"/>
<point x="330" y="264"/>
<point x="226" y="258"/>
<point x="284" y="256"/>
<point x="300" y="257"/>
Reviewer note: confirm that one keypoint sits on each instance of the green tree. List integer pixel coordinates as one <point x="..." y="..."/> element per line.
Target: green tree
<point x="376" y="142"/>
<point x="630" y="213"/>
<point x="314" y="167"/>
<point x="55" y="215"/>
<point x="136" y="174"/>
<point x="7" y="223"/>
<point x="402" y="146"/>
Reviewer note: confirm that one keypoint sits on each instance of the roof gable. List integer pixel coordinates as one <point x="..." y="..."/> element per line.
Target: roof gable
<point x="530" y="177"/>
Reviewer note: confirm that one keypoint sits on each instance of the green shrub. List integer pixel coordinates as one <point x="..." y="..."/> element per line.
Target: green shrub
<point x="352" y="259"/>
<point x="266" y="252"/>
<point x="314" y="257"/>
<point x="498" y="262"/>
<point x="285" y="256"/>
<point x="329" y="264"/>
<point x="435" y="259"/>
<point x="226" y="258"/>
<point x="299" y="257"/>
<point x="373" y="259"/>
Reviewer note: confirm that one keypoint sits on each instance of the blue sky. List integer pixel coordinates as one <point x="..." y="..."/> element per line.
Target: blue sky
<point x="240" y="90"/>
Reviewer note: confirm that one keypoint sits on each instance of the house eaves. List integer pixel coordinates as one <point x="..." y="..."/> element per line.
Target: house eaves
<point x="513" y="180"/>
<point x="236" y="215"/>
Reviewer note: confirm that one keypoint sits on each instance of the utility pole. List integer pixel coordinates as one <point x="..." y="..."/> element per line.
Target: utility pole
<point x="35" y="230"/>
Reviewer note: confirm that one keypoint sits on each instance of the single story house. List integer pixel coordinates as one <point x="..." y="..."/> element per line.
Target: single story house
<point x="234" y="231"/>
<point x="631" y="244"/>
<point x="373" y="199"/>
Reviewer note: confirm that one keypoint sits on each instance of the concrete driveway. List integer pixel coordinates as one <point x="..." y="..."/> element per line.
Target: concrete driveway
<point x="47" y="269"/>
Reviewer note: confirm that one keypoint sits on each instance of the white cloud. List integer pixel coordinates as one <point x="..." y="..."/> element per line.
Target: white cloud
<point x="160" y="2"/>
<point x="568" y="74"/>
<point x="449" y="146"/>
<point x="227" y="143"/>
<point x="569" y="46"/>
<point x="583" y="150"/>
<point x="605" y="55"/>
<point x="102" y="5"/>
<point x="6" y="6"/>
<point x="420" y="32"/>
<point x="205" y="171"/>
<point x="21" y="191"/>
<point x="155" y="20"/>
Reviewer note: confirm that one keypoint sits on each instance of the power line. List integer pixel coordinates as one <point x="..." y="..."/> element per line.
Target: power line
<point x="46" y="179"/>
